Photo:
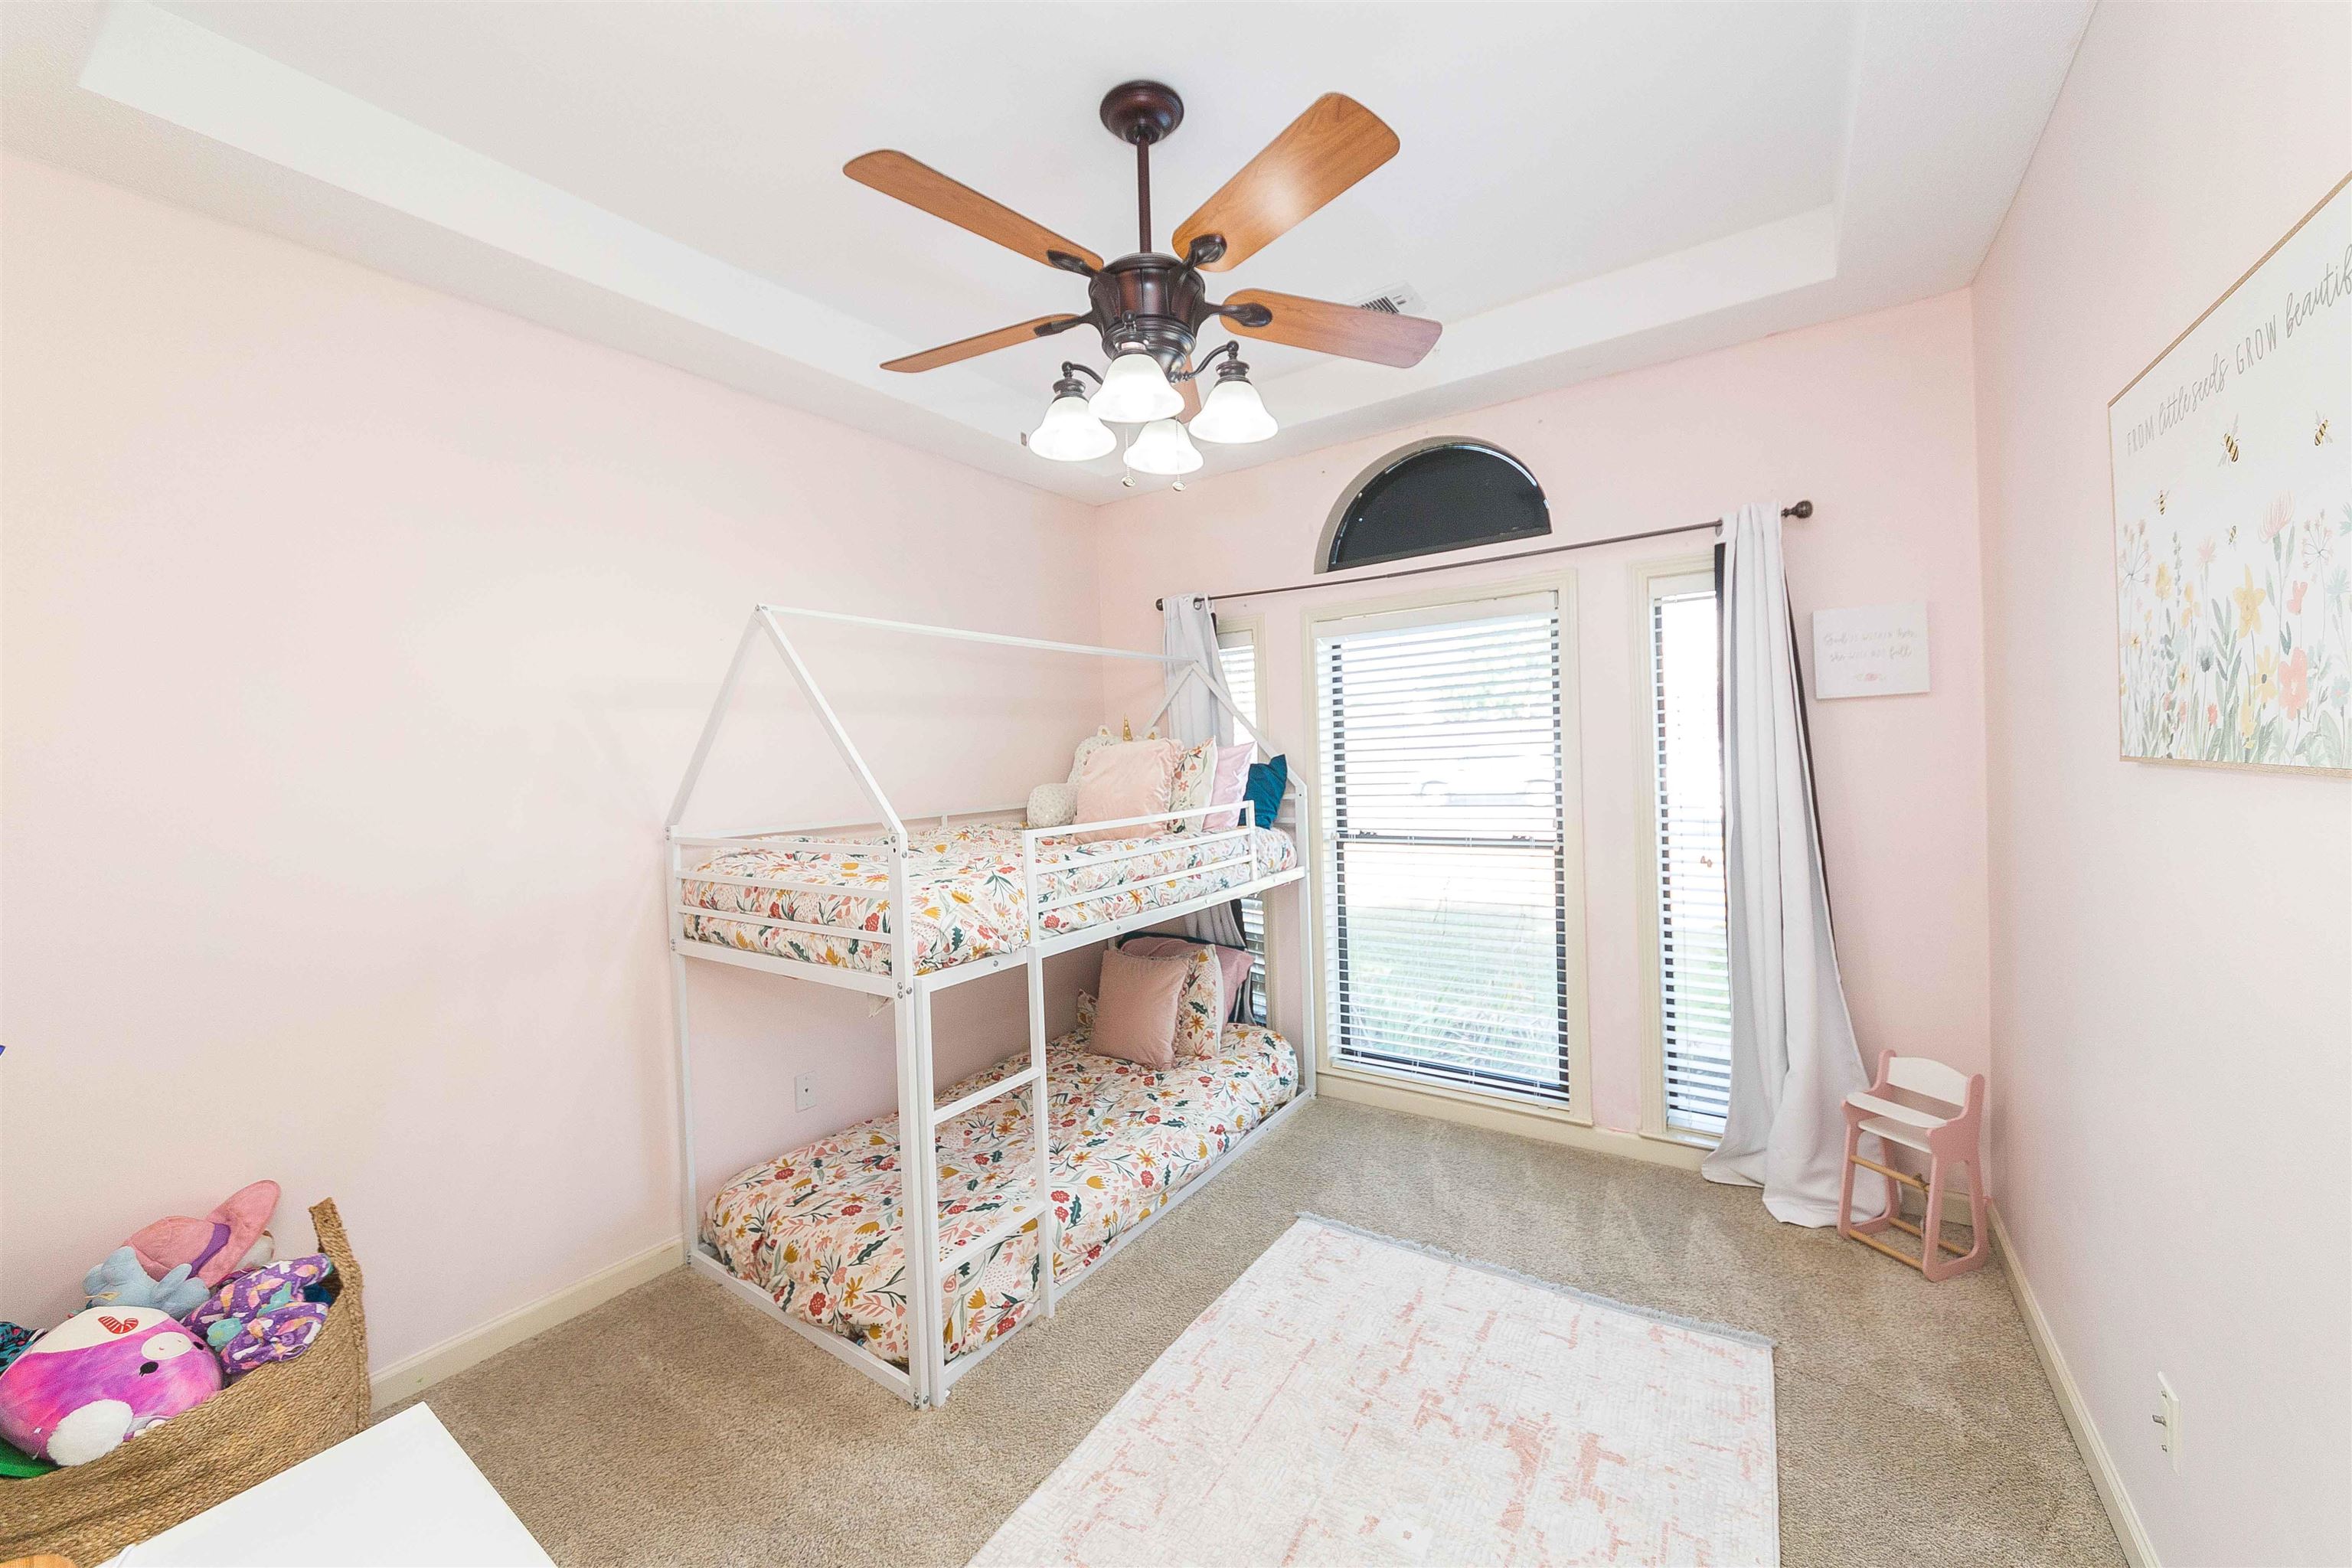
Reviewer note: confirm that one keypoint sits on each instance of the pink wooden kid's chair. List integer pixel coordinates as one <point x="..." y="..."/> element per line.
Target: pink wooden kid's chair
<point x="1921" y="1104"/>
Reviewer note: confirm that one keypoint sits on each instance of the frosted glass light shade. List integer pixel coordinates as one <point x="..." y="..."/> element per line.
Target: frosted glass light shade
<point x="1162" y="447"/>
<point x="1070" y="433"/>
<point x="1135" y="391"/>
<point x="1233" y="413"/>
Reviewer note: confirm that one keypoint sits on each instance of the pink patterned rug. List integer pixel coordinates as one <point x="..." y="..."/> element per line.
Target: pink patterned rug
<point x="1357" y="1400"/>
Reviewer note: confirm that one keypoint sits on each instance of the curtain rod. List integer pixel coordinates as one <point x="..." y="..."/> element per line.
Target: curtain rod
<point x="1802" y="509"/>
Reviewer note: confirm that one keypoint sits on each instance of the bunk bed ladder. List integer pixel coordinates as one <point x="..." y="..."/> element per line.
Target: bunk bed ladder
<point x="1040" y="1095"/>
<point x="918" y="1186"/>
<point x="919" y="1154"/>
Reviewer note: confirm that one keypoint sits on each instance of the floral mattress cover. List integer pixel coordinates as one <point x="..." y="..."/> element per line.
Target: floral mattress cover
<point x="818" y="1228"/>
<point x="965" y="886"/>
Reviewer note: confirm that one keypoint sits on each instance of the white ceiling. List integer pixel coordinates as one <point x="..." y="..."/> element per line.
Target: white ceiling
<point x="1582" y="188"/>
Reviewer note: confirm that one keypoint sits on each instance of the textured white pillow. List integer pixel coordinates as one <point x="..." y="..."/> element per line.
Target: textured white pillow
<point x="1053" y="805"/>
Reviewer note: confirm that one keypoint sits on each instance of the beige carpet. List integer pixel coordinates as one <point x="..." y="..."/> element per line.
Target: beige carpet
<point x="677" y="1426"/>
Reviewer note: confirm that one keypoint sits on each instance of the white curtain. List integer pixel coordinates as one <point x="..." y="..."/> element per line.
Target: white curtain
<point x="1189" y="631"/>
<point x="1793" y="1055"/>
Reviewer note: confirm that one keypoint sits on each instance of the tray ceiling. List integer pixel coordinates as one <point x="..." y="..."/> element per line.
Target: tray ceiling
<point x="1582" y="188"/>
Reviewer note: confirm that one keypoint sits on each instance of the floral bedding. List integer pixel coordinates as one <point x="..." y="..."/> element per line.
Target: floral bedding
<point x="818" y="1228"/>
<point x="965" y="886"/>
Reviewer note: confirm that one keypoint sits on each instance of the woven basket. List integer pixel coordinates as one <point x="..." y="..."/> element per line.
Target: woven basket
<point x="273" y="1417"/>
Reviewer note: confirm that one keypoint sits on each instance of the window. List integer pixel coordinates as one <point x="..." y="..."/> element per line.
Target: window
<point x="1237" y="655"/>
<point x="1432" y="495"/>
<point x="1690" y="936"/>
<point x="1447" y="863"/>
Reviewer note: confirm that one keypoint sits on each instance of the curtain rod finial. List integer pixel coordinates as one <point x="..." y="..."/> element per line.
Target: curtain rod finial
<point x="1802" y="509"/>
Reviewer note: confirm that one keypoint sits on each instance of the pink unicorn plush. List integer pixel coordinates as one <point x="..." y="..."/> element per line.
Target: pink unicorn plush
<point x="233" y="1236"/>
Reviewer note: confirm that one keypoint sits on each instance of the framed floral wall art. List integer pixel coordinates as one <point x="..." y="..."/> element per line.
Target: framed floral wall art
<point x="2232" y="463"/>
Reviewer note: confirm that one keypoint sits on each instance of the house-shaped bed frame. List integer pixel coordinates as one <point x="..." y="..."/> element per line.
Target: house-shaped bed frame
<point x="929" y="1374"/>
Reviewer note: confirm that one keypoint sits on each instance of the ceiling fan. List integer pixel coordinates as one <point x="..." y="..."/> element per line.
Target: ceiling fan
<point x="1149" y="308"/>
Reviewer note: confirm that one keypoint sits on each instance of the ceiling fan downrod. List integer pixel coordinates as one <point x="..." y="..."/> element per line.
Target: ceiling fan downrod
<point x="1142" y="114"/>
<point x="1143" y="196"/>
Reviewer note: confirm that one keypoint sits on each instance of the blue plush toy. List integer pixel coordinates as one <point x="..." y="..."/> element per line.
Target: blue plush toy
<point x="122" y="1281"/>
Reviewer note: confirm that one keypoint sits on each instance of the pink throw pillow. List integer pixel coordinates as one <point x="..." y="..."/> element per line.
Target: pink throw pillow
<point x="1134" y="778"/>
<point x="1231" y="783"/>
<point x="1233" y="962"/>
<point x="1135" y="1009"/>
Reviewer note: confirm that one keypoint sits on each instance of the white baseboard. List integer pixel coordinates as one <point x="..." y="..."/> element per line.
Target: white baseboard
<point x="412" y="1375"/>
<point x="2096" y="1457"/>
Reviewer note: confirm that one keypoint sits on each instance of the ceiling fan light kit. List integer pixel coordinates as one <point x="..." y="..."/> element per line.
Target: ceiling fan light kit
<point x="1162" y="447"/>
<point x="1136" y="391"/>
<point x="1149" y="308"/>
<point x="1070" y="433"/>
<point x="1232" y="415"/>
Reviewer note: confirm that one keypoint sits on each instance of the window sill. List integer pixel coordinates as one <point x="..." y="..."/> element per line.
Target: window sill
<point x="1519" y="1118"/>
<point x="1685" y="1137"/>
<point x="1410" y="1083"/>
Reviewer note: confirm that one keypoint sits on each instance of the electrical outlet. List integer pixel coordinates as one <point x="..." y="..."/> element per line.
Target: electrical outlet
<point x="804" y="1092"/>
<point x="2167" y="1416"/>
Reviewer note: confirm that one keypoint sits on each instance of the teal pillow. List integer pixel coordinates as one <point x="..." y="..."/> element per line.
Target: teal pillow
<point x="1268" y="782"/>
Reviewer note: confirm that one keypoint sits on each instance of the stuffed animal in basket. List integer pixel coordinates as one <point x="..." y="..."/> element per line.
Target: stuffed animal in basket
<point x="265" y="1314"/>
<point x="233" y="1236"/>
<point x="120" y="1281"/>
<point x="99" y="1378"/>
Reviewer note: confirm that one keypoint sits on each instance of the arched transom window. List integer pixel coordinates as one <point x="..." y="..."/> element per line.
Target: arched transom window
<point x="1448" y="493"/>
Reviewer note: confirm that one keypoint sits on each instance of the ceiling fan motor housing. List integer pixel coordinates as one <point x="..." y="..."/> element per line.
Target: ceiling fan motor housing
<point x="1155" y="303"/>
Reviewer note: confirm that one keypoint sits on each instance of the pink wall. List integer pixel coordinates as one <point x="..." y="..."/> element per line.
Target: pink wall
<point x="2172" y="947"/>
<point x="1870" y="417"/>
<point x="355" y="639"/>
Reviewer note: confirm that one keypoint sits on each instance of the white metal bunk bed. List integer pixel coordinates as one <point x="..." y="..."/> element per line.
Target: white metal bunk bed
<point x="930" y="1374"/>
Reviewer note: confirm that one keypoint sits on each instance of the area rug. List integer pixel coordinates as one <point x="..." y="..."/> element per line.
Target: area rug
<point x="1353" y="1399"/>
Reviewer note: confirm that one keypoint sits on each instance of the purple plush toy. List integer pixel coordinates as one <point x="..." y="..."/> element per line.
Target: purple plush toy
<point x="260" y="1316"/>
<point x="100" y="1377"/>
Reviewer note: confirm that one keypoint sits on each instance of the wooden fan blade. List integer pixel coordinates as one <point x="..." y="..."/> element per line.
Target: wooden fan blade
<point x="986" y="343"/>
<point x="1332" y="146"/>
<point x="1319" y="325"/>
<point x="1190" y="391"/>
<point x="921" y="185"/>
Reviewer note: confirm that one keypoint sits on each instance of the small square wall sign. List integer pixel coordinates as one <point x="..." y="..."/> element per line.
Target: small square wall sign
<point x="1874" y="651"/>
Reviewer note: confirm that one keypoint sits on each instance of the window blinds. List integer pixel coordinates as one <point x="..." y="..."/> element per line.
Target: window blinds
<point x="1442" y="757"/>
<point x="1693" y="935"/>
<point x="1237" y="653"/>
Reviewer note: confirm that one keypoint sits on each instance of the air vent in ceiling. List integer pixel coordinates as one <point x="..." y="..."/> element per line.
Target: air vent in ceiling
<point x="1396" y="300"/>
